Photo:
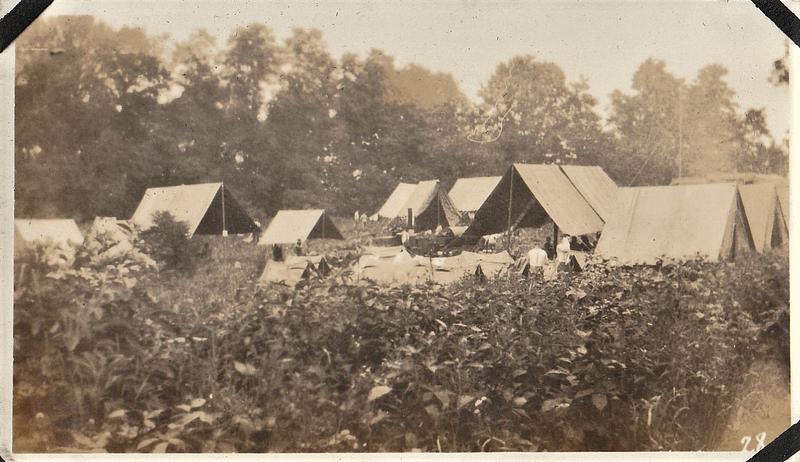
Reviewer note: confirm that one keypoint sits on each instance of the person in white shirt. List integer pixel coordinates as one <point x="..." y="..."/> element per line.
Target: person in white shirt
<point x="537" y="259"/>
<point x="563" y="253"/>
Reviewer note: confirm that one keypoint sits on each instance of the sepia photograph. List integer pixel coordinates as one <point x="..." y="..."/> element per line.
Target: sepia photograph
<point x="398" y="227"/>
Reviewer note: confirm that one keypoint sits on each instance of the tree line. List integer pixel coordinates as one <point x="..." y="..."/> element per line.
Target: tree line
<point x="103" y="113"/>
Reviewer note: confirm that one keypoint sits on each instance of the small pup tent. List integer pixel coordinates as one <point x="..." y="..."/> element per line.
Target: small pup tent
<point x="768" y="226"/>
<point x="207" y="208"/>
<point x="290" y="225"/>
<point x="676" y="223"/>
<point x="393" y="207"/>
<point x="532" y="195"/>
<point x="468" y="194"/>
<point x="294" y="269"/>
<point x="391" y="266"/>
<point x="62" y="235"/>
<point x="446" y="270"/>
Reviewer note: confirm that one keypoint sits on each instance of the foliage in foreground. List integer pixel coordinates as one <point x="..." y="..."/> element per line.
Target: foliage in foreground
<point x="107" y="359"/>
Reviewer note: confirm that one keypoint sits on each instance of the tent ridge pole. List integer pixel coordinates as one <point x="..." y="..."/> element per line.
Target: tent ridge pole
<point x="222" y="191"/>
<point x="510" y="206"/>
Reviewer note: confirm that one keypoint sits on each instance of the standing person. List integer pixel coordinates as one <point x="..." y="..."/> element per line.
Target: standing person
<point x="298" y="247"/>
<point x="537" y="259"/>
<point x="549" y="248"/>
<point x="563" y="253"/>
<point x="404" y="235"/>
<point x="277" y="252"/>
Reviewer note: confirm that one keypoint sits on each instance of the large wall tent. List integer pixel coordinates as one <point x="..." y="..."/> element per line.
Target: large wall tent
<point x="468" y="194"/>
<point x="208" y="208"/>
<point x="676" y="223"/>
<point x="763" y="210"/>
<point x="745" y="180"/>
<point x="533" y="195"/>
<point x="290" y="225"/>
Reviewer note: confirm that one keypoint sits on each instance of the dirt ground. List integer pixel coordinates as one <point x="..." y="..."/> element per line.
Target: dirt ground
<point x="764" y="407"/>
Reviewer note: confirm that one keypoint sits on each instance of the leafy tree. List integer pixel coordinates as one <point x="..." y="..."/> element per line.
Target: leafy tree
<point x="647" y="125"/>
<point x="780" y="68"/>
<point x="711" y="123"/>
<point x="85" y="95"/>
<point x="416" y="85"/>
<point x="532" y="114"/>
<point x="758" y="151"/>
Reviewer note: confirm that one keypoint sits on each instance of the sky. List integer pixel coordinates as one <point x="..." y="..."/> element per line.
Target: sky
<point x="603" y="42"/>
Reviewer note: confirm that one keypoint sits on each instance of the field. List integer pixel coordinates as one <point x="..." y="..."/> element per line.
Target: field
<point x="126" y="357"/>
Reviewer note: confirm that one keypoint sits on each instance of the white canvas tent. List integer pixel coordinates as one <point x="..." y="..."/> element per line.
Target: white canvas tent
<point x="294" y="269"/>
<point x="468" y="194"/>
<point x="393" y="207"/>
<point x="768" y="225"/>
<point x="675" y="223"/>
<point x="531" y="195"/>
<point x="207" y="208"/>
<point x="59" y="232"/>
<point x="62" y="236"/>
<point x="429" y="203"/>
<point x="290" y="225"/>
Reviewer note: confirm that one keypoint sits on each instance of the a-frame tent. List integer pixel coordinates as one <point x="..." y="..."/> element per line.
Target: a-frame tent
<point x="768" y="225"/>
<point x="675" y="223"/>
<point x="207" y="208"/>
<point x="531" y="195"/>
<point x="468" y="194"/>
<point x="290" y="225"/>
<point x="60" y="232"/>
<point x="431" y="207"/>
<point x="393" y="207"/>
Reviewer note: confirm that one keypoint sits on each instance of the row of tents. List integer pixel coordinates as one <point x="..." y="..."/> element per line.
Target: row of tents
<point x="716" y="217"/>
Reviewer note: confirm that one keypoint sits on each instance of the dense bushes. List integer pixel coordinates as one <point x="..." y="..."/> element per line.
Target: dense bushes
<point x="168" y="243"/>
<point x="610" y="359"/>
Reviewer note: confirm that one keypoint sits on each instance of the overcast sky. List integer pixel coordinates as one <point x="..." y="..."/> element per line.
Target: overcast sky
<point x="602" y="41"/>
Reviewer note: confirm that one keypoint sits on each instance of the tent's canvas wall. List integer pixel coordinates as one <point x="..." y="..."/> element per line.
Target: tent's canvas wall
<point x="595" y="186"/>
<point x="783" y="198"/>
<point x="393" y="207"/>
<point x="468" y="194"/>
<point x="676" y="223"/>
<point x="531" y="196"/>
<point x="765" y="218"/>
<point x="290" y="225"/>
<point x="206" y="208"/>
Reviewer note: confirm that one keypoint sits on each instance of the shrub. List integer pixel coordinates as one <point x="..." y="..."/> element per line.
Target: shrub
<point x="168" y="243"/>
<point x="609" y="359"/>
